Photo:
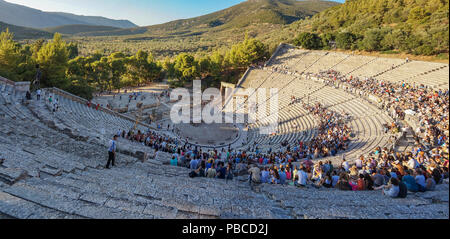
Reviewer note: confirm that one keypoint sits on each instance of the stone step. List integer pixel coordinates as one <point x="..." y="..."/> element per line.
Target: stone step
<point x="52" y="172"/>
<point x="12" y="175"/>
<point x="70" y="206"/>
<point x="22" y="209"/>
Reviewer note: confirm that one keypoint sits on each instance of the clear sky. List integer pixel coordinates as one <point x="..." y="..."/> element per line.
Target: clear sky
<point x="140" y="12"/>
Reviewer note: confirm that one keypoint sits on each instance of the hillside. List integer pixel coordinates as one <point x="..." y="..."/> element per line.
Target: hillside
<point x="255" y="17"/>
<point x="239" y="16"/>
<point x="76" y="29"/>
<point x="417" y="27"/>
<point x="24" y="32"/>
<point x="250" y="12"/>
<point x="28" y="17"/>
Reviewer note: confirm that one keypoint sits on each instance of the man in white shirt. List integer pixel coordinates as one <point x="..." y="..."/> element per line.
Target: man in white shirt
<point x="38" y="94"/>
<point x="255" y="173"/>
<point x="345" y="165"/>
<point x="412" y="164"/>
<point x="358" y="163"/>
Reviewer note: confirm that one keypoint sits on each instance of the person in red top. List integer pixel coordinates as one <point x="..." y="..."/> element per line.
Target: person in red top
<point x="361" y="183"/>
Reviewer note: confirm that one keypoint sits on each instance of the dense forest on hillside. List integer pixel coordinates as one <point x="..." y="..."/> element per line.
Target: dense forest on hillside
<point x="419" y="27"/>
<point x="63" y="67"/>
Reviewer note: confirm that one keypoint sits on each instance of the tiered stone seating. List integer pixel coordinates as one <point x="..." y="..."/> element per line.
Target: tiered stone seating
<point x="438" y="78"/>
<point x="255" y="78"/>
<point x="328" y="62"/>
<point x="308" y="61"/>
<point x="295" y="124"/>
<point x="367" y="122"/>
<point x="144" y="190"/>
<point x="409" y="70"/>
<point x="329" y="96"/>
<point x="377" y="66"/>
<point x="287" y="55"/>
<point x="352" y="63"/>
<point x="118" y="103"/>
<point x="311" y="203"/>
<point x="51" y="164"/>
<point x="84" y="117"/>
<point x="65" y="180"/>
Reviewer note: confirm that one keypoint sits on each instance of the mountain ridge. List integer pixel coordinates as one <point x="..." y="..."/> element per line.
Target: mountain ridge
<point x="23" y="16"/>
<point x="280" y="12"/>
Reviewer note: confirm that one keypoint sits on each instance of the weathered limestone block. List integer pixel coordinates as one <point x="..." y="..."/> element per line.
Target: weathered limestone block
<point x="142" y="156"/>
<point x="12" y="175"/>
<point x="53" y="172"/>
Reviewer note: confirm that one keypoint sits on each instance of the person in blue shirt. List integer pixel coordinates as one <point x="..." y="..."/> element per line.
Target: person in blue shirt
<point x="221" y="171"/>
<point x="265" y="175"/>
<point x="420" y="181"/>
<point x="410" y="182"/>
<point x="282" y="176"/>
<point x="174" y="161"/>
<point x="112" y="152"/>
<point x="193" y="164"/>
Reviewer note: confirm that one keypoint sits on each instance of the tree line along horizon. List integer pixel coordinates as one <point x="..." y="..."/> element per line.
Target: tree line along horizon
<point x="62" y="67"/>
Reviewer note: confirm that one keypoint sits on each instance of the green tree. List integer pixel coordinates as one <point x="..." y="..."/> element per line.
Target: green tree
<point x="186" y="67"/>
<point x="373" y="40"/>
<point x="308" y="41"/>
<point x="53" y="58"/>
<point x="9" y="56"/>
<point x="102" y="74"/>
<point x="142" y="69"/>
<point x="36" y="46"/>
<point x="169" y="68"/>
<point x="250" y="51"/>
<point x="118" y="68"/>
<point x="26" y="69"/>
<point x="327" y="38"/>
<point x="204" y="66"/>
<point x="345" y="40"/>
<point x="72" y="48"/>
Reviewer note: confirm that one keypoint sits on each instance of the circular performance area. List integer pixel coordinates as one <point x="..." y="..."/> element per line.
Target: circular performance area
<point x="208" y="134"/>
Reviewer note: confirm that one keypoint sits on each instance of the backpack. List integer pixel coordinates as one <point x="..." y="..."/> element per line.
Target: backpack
<point x="403" y="192"/>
